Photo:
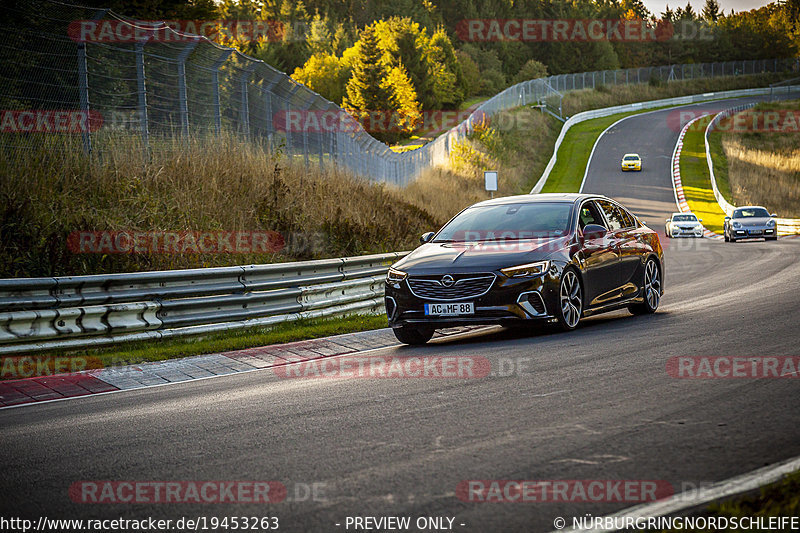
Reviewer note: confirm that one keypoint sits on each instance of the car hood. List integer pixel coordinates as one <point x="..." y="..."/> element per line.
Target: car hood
<point x="455" y="257"/>
<point x="760" y="221"/>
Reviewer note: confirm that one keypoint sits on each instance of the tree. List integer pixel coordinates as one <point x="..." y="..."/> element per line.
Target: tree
<point x="326" y="74"/>
<point x="470" y="73"/>
<point x="404" y="112"/>
<point x="531" y="70"/>
<point x="365" y="90"/>
<point x="711" y="11"/>
<point x="449" y="87"/>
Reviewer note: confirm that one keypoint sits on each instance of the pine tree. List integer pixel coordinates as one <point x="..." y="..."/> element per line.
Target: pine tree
<point x="365" y="91"/>
<point x="711" y="11"/>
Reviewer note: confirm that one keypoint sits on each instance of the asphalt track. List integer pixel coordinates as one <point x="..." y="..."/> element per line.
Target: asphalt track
<point x="596" y="403"/>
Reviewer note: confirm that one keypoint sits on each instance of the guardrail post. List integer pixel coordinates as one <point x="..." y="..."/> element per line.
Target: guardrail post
<point x="182" y="99"/>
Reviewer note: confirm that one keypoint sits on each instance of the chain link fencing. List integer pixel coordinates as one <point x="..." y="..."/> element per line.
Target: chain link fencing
<point x="99" y="78"/>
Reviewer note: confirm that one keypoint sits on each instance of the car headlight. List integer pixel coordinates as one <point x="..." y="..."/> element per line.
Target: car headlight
<point x="771" y="223"/>
<point x="395" y="276"/>
<point x="737" y="225"/>
<point x="527" y="270"/>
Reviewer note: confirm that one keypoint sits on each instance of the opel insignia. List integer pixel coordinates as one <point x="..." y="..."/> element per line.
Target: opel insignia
<point x="509" y="261"/>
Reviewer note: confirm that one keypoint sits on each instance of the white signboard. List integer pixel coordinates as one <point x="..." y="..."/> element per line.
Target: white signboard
<point x="490" y="177"/>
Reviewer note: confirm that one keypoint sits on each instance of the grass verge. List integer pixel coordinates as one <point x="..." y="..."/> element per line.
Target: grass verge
<point x="139" y="352"/>
<point x="696" y="179"/>
<point x="781" y="498"/>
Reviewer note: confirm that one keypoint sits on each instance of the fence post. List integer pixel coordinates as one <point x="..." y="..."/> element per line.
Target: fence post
<point x="83" y="88"/>
<point x="268" y="111"/>
<point x="245" y="100"/>
<point x="141" y="89"/>
<point x="215" y="74"/>
<point x="288" y="132"/>
<point x="182" y="100"/>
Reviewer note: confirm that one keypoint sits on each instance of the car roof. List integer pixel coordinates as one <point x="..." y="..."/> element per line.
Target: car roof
<point x="687" y="213"/>
<point x="626" y="155"/>
<point x="542" y="197"/>
<point x="752" y="207"/>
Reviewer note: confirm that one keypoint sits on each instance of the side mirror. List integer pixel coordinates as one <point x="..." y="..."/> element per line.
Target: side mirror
<point x="773" y="215"/>
<point x="727" y="218"/>
<point x="594" y="231"/>
<point x="426" y="237"/>
<point x="699" y="219"/>
<point x="667" y="220"/>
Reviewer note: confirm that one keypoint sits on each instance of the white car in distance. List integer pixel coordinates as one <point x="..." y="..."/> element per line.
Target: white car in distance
<point x="684" y="225"/>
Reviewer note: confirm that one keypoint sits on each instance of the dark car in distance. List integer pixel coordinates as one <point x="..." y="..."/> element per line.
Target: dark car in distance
<point x="512" y="260"/>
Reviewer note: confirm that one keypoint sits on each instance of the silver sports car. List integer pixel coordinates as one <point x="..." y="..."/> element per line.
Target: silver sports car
<point x="751" y="222"/>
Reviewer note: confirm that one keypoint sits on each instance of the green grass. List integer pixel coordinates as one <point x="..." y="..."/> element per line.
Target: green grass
<point x="471" y="101"/>
<point x="696" y="179"/>
<point x="781" y="498"/>
<point x="138" y="352"/>
<point x="720" y="163"/>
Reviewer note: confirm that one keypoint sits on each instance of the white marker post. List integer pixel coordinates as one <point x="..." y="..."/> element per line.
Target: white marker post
<point x="490" y="179"/>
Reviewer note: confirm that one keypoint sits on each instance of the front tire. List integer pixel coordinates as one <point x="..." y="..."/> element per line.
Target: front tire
<point x="771" y="238"/>
<point x="412" y="336"/>
<point x="651" y="290"/>
<point x="570" y="300"/>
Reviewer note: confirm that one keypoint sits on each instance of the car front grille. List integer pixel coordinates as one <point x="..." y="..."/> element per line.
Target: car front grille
<point x="431" y="288"/>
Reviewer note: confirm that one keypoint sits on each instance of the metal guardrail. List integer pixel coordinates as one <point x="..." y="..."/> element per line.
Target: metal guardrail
<point x="38" y="314"/>
<point x="786" y="226"/>
<point x="652" y="104"/>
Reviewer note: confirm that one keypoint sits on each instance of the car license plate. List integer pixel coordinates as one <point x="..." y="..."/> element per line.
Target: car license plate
<point x="755" y="232"/>
<point x="462" y="308"/>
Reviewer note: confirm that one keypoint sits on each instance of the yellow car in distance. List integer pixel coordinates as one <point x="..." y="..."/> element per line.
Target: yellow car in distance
<point x="631" y="162"/>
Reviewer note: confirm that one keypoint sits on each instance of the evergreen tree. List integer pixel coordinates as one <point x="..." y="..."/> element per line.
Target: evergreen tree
<point x="367" y="94"/>
<point x="711" y="11"/>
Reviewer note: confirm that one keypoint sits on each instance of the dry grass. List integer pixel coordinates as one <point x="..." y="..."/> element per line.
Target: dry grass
<point x="764" y="168"/>
<point x="764" y="177"/>
<point x="52" y="189"/>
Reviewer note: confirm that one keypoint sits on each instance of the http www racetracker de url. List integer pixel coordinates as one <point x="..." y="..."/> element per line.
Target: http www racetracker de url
<point x="404" y="523"/>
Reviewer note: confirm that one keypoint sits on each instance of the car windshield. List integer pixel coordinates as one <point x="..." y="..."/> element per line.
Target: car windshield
<point x="508" y="222"/>
<point x="631" y="158"/>
<point x="684" y="218"/>
<point x="754" y="212"/>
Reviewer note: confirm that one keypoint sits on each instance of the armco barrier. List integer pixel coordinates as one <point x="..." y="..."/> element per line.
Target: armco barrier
<point x="667" y="102"/>
<point x="39" y="314"/>
<point x="786" y="226"/>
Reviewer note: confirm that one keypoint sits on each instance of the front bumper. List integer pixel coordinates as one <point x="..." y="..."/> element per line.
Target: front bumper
<point x="631" y="167"/>
<point x="508" y="301"/>
<point x="694" y="233"/>
<point x="748" y="232"/>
